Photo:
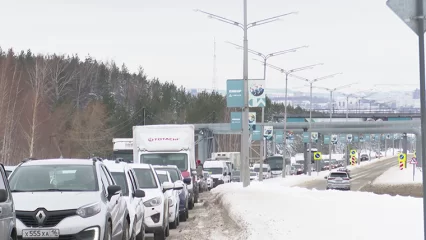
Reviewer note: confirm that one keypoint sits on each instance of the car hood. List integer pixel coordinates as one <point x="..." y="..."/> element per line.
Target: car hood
<point x="51" y="201"/>
<point x="151" y="193"/>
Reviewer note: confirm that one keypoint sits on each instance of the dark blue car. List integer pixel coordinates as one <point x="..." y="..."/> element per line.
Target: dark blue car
<point x="176" y="175"/>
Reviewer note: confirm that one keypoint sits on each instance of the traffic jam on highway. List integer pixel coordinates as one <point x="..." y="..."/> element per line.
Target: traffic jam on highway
<point x="146" y="190"/>
<point x="149" y="187"/>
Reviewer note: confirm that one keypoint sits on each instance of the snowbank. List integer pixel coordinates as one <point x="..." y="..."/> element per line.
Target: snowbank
<point x="268" y="210"/>
<point x="372" y="161"/>
<point x="395" y="176"/>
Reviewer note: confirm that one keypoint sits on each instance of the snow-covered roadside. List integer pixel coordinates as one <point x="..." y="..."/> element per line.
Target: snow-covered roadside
<point x="395" y="176"/>
<point x="295" y="180"/>
<point x="268" y="210"/>
<point x="372" y="161"/>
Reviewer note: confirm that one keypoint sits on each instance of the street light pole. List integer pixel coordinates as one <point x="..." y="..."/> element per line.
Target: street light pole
<point x="311" y="82"/>
<point x="287" y="73"/>
<point x="245" y="131"/>
<point x="331" y="90"/>
<point x="265" y="58"/>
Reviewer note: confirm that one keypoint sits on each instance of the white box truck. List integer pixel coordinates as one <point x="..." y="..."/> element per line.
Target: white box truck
<point x="123" y="148"/>
<point x="233" y="157"/>
<point x="168" y="145"/>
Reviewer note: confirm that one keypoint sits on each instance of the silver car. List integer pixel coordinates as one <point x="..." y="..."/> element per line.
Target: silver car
<point x="7" y="211"/>
<point x="338" y="180"/>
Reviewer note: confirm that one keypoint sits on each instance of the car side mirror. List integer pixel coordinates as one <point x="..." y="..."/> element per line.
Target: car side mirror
<point x="178" y="186"/>
<point x="224" y="174"/>
<point x="167" y="186"/>
<point x="325" y="177"/>
<point x="187" y="181"/>
<point x="139" y="193"/>
<point x="113" y="190"/>
<point x="3" y="195"/>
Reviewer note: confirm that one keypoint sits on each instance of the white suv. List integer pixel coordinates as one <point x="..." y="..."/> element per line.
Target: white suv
<point x="173" y="196"/>
<point x="67" y="199"/>
<point x="126" y="178"/>
<point x="156" y="203"/>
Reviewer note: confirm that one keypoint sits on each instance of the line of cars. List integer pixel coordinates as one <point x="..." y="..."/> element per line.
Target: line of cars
<point x="91" y="199"/>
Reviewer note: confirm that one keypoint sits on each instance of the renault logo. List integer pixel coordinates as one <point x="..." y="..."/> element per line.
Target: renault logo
<point x="40" y="216"/>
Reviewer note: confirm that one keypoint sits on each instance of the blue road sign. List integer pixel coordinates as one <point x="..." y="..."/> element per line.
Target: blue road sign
<point x="317" y="155"/>
<point x="401" y="156"/>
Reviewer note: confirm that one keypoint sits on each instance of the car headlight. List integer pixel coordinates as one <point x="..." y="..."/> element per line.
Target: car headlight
<point x="89" y="210"/>
<point x="152" y="202"/>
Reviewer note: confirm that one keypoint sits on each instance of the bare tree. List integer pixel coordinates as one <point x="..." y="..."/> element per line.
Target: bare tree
<point x="38" y="77"/>
<point x="59" y="77"/>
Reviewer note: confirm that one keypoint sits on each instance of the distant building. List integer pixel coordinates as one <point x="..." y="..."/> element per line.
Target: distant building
<point x="416" y="94"/>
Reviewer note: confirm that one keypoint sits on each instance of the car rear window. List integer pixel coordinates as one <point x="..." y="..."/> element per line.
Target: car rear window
<point x="339" y="174"/>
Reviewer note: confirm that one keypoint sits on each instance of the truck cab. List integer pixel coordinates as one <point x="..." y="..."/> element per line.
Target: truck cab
<point x="218" y="170"/>
<point x="123" y="149"/>
<point x="165" y="145"/>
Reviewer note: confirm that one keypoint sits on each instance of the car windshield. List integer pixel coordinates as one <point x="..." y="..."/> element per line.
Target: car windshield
<point x="258" y="169"/>
<point x="162" y="178"/>
<point x="338" y="175"/>
<point x="177" y="159"/>
<point x="126" y="155"/>
<point x="120" y="179"/>
<point x="145" y="178"/>
<point x="236" y="173"/>
<point x="174" y="174"/>
<point x="41" y="178"/>
<point x="214" y="170"/>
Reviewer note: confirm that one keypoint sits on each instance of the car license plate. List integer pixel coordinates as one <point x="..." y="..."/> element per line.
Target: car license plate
<point x="40" y="233"/>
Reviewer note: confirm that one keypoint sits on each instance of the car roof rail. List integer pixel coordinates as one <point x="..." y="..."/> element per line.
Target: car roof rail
<point x="96" y="159"/>
<point x="28" y="159"/>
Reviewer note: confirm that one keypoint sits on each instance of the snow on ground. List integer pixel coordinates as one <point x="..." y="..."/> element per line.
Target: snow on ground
<point x="268" y="210"/>
<point x="372" y="161"/>
<point x="395" y="176"/>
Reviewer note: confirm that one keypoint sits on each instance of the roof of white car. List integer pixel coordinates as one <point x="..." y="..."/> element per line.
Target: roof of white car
<point x="140" y="166"/>
<point x="10" y="168"/>
<point x="161" y="172"/>
<point x="115" y="166"/>
<point x="164" y="166"/>
<point x="60" y="161"/>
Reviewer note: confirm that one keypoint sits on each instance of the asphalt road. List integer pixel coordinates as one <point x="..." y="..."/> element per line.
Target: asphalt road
<point x="360" y="177"/>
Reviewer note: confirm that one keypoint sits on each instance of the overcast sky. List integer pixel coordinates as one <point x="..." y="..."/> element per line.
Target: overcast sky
<point x="361" y="38"/>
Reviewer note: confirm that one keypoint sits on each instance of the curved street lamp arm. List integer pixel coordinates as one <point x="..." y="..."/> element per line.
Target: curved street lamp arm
<point x="268" y="20"/>
<point x="277" y="68"/>
<point x="304" y="68"/>
<point x="222" y="19"/>
<point x="325" y="77"/>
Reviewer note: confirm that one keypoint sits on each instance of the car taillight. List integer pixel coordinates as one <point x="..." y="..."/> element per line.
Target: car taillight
<point x="185" y="174"/>
<point x="345" y="178"/>
<point x="330" y="178"/>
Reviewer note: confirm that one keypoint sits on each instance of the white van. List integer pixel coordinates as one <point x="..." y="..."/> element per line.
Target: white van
<point x="218" y="171"/>
<point x="267" y="173"/>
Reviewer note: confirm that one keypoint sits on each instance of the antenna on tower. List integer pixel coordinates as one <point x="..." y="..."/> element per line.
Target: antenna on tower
<point x="214" y="88"/>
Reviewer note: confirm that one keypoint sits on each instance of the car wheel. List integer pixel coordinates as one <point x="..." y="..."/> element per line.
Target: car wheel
<point x="174" y="224"/>
<point x="160" y="235"/>
<point x="191" y="204"/>
<point x="141" y="235"/>
<point x="167" y="233"/>
<point x="108" y="232"/>
<point x="126" y="230"/>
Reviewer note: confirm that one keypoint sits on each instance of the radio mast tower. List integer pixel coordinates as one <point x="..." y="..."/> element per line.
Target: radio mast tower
<point x="214" y="88"/>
